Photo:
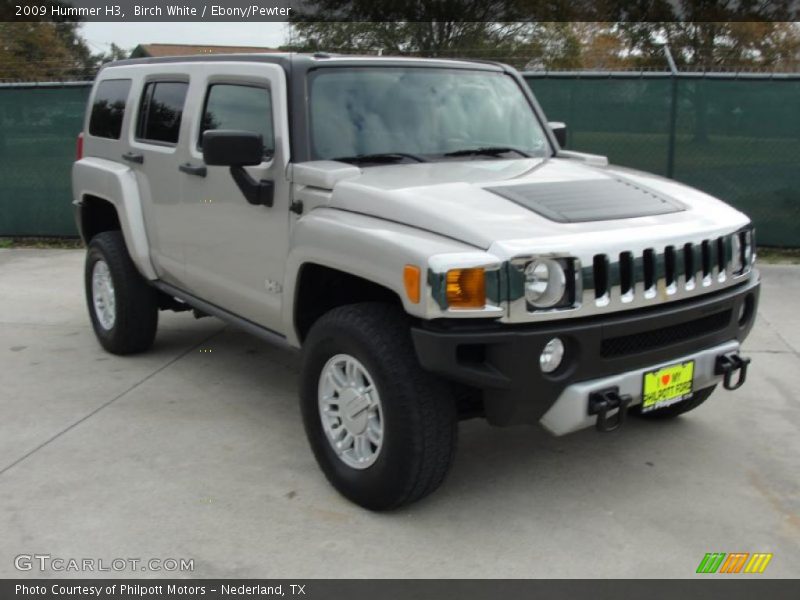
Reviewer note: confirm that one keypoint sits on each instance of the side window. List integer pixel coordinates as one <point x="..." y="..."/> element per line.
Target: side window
<point x="161" y="111"/>
<point x="241" y="107"/>
<point x="108" y="108"/>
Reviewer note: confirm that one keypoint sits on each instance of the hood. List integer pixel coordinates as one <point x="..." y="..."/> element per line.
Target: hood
<point x="520" y="203"/>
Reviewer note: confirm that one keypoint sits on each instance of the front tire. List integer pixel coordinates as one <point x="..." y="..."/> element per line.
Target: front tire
<point x="382" y="429"/>
<point x="123" y="307"/>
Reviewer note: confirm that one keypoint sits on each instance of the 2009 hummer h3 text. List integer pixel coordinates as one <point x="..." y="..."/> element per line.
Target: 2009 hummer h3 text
<point x="415" y="227"/>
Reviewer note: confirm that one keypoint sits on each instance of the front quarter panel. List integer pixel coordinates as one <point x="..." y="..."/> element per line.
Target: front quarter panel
<point x="368" y="247"/>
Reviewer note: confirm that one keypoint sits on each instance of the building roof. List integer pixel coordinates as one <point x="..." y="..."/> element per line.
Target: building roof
<point x="160" y="50"/>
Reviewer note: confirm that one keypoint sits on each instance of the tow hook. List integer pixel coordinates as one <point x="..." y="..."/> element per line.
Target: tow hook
<point x="727" y="365"/>
<point x="600" y="403"/>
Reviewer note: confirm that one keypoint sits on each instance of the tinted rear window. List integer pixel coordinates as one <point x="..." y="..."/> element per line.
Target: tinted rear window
<point x="161" y="111"/>
<point x="108" y="108"/>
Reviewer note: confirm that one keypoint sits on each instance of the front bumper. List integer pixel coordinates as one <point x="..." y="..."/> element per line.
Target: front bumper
<point x="569" y="412"/>
<point x="502" y="360"/>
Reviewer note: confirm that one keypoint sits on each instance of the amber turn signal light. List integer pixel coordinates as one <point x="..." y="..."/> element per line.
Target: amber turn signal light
<point x="411" y="281"/>
<point x="466" y="288"/>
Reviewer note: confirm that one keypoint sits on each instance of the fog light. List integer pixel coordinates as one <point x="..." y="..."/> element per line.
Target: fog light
<point x="551" y="356"/>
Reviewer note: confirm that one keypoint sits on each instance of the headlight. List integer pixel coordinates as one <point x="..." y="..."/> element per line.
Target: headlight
<point x="545" y="283"/>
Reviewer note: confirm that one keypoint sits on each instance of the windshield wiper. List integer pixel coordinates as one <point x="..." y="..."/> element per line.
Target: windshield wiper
<point x="487" y="150"/>
<point x="385" y="157"/>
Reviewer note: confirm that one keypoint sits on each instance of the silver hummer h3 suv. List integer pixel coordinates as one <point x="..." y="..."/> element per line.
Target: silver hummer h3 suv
<point x="415" y="227"/>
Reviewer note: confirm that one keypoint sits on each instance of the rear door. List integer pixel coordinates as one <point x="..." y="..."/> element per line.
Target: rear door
<point x="235" y="251"/>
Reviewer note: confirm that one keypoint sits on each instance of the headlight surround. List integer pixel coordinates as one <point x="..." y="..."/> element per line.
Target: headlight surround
<point x="545" y="283"/>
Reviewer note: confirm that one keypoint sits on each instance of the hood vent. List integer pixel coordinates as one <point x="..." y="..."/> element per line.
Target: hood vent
<point x="595" y="200"/>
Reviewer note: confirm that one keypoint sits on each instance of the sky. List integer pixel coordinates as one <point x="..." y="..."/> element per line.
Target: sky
<point x="99" y="35"/>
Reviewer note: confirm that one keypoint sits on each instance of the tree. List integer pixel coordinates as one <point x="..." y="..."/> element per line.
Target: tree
<point x="44" y="51"/>
<point x="114" y="53"/>
<point x="713" y="40"/>
<point x="432" y="38"/>
<point x="437" y="28"/>
<point x="604" y="48"/>
<point x="706" y="35"/>
<point x="575" y="45"/>
<point x="523" y="33"/>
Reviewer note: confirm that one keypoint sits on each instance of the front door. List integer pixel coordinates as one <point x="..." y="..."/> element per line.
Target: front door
<point x="235" y="252"/>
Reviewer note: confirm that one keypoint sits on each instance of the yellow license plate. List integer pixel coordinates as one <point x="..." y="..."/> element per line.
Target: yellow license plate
<point x="667" y="386"/>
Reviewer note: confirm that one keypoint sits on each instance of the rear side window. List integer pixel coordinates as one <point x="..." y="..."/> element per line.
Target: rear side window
<point x="241" y="107"/>
<point x="161" y="111"/>
<point x="108" y="108"/>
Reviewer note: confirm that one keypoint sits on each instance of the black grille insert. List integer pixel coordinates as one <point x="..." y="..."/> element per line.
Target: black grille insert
<point x="665" y="336"/>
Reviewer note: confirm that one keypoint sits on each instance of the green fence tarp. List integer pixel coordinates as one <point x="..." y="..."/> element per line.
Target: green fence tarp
<point x="39" y="127"/>
<point x="735" y="138"/>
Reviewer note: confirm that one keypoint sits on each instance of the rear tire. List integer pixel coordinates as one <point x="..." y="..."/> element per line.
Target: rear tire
<point x="674" y="410"/>
<point x="410" y="422"/>
<point x="123" y="307"/>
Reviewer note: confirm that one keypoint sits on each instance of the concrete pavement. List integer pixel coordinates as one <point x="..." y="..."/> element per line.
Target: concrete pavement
<point x="196" y="450"/>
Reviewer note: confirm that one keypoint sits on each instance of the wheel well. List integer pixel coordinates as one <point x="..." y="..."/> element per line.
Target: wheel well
<point x="321" y="289"/>
<point x="98" y="215"/>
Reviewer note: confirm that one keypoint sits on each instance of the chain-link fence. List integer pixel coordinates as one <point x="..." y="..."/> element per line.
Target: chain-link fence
<point x="39" y="125"/>
<point x="735" y="136"/>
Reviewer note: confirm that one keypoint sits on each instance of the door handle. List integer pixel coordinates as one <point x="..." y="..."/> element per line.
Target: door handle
<point x="200" y="170"/>
<point x="134" y="158"/>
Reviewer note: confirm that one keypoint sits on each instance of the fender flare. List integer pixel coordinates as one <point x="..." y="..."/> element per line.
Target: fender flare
<point x="116" y="184"/>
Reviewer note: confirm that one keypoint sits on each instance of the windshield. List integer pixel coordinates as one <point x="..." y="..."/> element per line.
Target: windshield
<point x="421" y="112"/>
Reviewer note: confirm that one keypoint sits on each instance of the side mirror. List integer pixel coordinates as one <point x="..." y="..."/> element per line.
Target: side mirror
<point x="560" y="131"/>
<point x="239" y="149"/>
<point x="229" y="148"/>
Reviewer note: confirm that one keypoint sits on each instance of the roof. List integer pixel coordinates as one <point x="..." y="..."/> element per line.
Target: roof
<point x="308" y="61"/>
<point x="161" y="50"/>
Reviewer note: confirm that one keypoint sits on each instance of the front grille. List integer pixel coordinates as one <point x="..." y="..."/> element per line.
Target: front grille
<point x="664" y="336"/>
<point x="667" y="273"/>
<point x="642" y="274"/>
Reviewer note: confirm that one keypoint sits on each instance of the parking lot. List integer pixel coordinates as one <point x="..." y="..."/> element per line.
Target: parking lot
<point x="196" y="450"/>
